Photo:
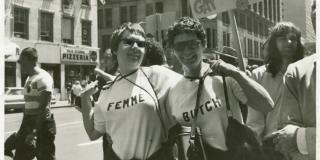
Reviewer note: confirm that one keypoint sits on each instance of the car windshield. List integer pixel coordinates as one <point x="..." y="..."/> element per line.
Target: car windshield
<point x="14" y="92"/>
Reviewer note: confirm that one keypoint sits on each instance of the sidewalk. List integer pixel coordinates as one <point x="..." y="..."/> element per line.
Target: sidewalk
<point x="60" y="104"/>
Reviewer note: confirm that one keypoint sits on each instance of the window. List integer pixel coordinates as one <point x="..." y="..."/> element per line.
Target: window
<point x="226" y="39"/>
<point x="265" y="4"/>
<point x="133" y="13"/>
<point x="245" y="47"/>
<point x="149" y="9"/>
<point x="86" y="32"/>
<point x="105" y="42"/>
<point x="255" y="27"/>
<point x="278" y="10"/>
<point x="46" y="26"/>
<point x="249" y="24"/>
<point x="255" y="7"/>
<point x="159" y="7"/>
<point x="123" y="15"/>
<point x="184" y="7"/>
<point x="108" y="17"/>
<point x="10" y="72"/>
<point x="85" y="2"/>
<point x="208" y="32"/>
<point x="242" y="21"/>
<point x="250" y="48"/>
<point x="261" y="29"/>
<point x="67" y="31"/>
<point x="270" y="10"/>
<point x="266" y="31"/>
<point x="260" y="9"/>
<point x="274" y="11"/>
<point x="225" y="18"/>
<point x="100" y="18"/>
<point x="21" y="23"/>
<point x="214" y="38"/>
<point x="256" y="49"/>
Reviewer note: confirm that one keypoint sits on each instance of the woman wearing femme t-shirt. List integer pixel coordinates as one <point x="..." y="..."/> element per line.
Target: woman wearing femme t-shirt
<point x="131" y="108"/>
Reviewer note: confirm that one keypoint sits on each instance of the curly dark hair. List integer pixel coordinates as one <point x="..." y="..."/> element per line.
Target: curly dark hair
<point x="273" y="58"/>
<point x="154" y="54"/>
<point x="186" y="25"/>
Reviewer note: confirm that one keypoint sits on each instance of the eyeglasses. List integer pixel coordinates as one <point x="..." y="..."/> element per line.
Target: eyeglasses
<point x="130" y="42"/>
<point x="191" y="44"/>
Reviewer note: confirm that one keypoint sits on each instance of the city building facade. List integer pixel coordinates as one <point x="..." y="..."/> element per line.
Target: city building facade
<point x="157" y="15"/>
<point x="64" y="32"/>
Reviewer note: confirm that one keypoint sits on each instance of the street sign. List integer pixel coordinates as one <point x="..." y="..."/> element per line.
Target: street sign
<point x="205" y="8"/>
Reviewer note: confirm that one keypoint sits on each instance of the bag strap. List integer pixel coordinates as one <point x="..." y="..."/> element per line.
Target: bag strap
<point x="225" y="89"/>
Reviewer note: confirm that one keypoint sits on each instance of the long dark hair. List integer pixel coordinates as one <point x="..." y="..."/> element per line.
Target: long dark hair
<point x="274" y="58"/>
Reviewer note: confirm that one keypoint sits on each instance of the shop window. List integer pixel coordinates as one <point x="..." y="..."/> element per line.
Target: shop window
<point x="108" y="17"/>
<point x="149" y="9"/>
<point x="21" y="22"/>
<point x="100" y="18"/>
<point x="67" y="31"/>
<point x="123" y="15"/>
<point x="86" y="32"/>
<point x="133" y="14"/>
<point x="225" y="18"/>
<point x="10" y="74"/>
<point x="46" y="26"/>
<point x="159" y="7"/>
<point x="208" y="32"/>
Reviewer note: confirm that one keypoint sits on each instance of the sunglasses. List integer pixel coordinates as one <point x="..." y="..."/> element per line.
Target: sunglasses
<point x="130" y="42"/>
<point x="191" y="44"/>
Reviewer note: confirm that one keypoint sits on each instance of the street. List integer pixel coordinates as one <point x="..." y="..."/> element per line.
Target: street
<point x="71" y="140"/>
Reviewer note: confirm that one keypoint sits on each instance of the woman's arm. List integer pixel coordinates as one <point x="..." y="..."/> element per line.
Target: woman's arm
<point x="87" y="114"/>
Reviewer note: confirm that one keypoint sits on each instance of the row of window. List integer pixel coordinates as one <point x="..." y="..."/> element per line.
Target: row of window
<point x="127" y="14"/>
<point x="268" y="8"/>
<point x="46" y="31"/>
<point x="252" y="48"/>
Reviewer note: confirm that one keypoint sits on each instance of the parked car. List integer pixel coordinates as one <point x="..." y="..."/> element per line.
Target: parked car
<point x="14" y="99"/>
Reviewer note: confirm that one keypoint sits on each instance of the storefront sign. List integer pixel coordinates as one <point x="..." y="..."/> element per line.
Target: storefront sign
<point x="204" y="8"/>
<point x="78" y="55"/>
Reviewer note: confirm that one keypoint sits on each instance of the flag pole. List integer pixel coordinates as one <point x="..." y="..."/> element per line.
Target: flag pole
<point x="236" y="39"/>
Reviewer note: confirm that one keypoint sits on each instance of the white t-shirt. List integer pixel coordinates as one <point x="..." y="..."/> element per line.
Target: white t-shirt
<point x="129" y="115"/>
<point x="32" y="89"/>
<point x="212" y="116"/>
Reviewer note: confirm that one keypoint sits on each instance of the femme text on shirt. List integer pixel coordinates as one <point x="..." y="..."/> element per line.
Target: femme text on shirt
<point x="208" y="105"/>
<point x="126" y="103"/>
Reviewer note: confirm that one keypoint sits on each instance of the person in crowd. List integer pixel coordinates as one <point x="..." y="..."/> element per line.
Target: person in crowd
<point x="296" y="138"/>
<point x="154" y="54"/>
<point x="68" y="88"/>
<point x="283" y="47"/>
<point x="36" y="135"/>
<point x="131" y="108"/>
<point x="188" y="39"/>
<point x="76" y="90"/>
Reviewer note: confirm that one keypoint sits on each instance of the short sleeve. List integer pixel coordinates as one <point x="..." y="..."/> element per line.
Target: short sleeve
<point x="99" y="121"/>
<point x="45" y="84"/>
<point x="237" y="90"/>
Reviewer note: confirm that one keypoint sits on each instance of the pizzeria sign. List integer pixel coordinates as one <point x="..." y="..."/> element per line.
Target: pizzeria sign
<point x="78" y="55"/>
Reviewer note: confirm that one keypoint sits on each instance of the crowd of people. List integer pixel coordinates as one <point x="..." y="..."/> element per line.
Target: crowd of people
<point x="146" y="108"/>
